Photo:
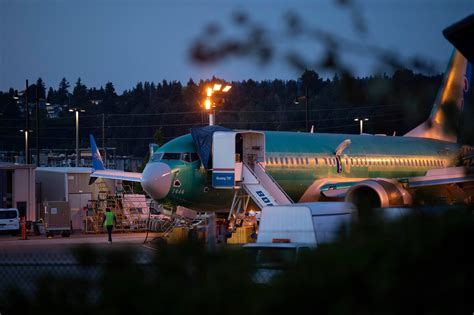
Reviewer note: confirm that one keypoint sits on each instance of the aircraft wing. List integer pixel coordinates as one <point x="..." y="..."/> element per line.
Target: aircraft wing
<point x="443" y="176"/>
<point x="115" y="174"/>
<point x="434" y="177"/>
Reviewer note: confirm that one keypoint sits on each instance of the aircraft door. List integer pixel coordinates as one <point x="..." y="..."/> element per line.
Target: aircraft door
<point x="253" y="147"/>
<point x="339" y="150"/>
<point x="223" y="159"/>
<point x="231" y="149"/>
<point x="338" y="164"/>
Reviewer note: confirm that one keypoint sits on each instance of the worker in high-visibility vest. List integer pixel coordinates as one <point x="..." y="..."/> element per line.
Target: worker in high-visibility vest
<point x="109" y="220"/>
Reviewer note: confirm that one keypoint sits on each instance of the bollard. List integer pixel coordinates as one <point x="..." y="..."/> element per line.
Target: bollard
<point x="23" y="228"/>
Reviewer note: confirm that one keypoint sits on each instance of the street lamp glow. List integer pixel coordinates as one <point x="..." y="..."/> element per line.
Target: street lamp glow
<point x="207" y="104"/>
<point x="217" y="87"/>
<point x="209" y="92"/>
<point x="226" y="88"/>
<point x="77" y="110"/>
<point x="361" y="123"/>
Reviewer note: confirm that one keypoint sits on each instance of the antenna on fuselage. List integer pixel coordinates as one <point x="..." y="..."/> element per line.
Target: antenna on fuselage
<point x="312" y="129"/>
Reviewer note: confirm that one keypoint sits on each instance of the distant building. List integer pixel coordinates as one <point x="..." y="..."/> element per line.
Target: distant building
<point x="17" y="189"/>
<point x="53" y="110"/>
<point x="67" y="158"/>
<point x="96" y="102"/>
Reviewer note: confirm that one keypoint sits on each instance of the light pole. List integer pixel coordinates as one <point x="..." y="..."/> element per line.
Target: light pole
<point x="297" y="101"/>
<point x="209" y="105"/>
<point x="46" y="102"/>
<point x="77" y="110"/>
<point x="361" y="123"/>
<point x="26" y="132"/>
<point x="27" y="127"/>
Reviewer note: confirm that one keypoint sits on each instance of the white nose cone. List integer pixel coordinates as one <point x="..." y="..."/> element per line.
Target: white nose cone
<point x="156" y="180"/>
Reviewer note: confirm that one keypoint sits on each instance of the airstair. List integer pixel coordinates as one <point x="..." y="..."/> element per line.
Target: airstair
<point x="261" y="187"/>
<point x="243" y="169"/>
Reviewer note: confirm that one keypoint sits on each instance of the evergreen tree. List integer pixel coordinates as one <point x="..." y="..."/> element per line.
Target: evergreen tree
<point x="79" y="94"/>
<point x="110" y="98"/>
<point x="41" y="88"/>
<point x="62" y="95"/>
<point x="51" y="98"/>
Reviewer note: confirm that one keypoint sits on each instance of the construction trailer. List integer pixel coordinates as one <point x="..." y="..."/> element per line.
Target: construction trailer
<point x="17" y="189"/>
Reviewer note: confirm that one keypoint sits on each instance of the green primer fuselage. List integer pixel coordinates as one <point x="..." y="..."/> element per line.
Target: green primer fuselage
<point x="297" y="160"/>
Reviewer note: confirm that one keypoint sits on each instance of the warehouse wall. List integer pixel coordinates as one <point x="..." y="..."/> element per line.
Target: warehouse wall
<point x="53" y="186"/>
<point x="24" y="191"/>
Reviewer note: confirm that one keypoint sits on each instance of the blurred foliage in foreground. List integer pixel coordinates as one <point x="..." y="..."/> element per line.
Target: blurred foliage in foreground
<point x="420" y="264"/>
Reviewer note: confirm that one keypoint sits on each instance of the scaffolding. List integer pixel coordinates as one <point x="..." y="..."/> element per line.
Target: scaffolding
<point x="130" y="209"/>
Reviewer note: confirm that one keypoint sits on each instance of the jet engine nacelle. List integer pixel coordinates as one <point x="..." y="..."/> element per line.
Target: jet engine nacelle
<point x="378" y="193"/>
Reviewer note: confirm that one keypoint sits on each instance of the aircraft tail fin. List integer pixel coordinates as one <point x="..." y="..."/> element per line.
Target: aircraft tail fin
<point x="97" y="163"/>
<point x="443" y="121"/>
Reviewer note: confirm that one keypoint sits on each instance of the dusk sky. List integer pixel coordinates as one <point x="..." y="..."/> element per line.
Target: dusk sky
<point x="129" y="41"/>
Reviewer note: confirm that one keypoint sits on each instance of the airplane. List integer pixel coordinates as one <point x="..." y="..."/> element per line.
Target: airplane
<point x="373" y="170"/>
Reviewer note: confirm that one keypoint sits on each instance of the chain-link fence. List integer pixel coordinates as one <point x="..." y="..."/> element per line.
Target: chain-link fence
<point x="28" y="274"/>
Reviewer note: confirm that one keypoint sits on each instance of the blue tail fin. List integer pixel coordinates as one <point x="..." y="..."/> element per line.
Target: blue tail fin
<point x="97" y="163"/>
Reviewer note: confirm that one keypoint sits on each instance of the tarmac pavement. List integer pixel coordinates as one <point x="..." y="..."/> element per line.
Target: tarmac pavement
<point x="57" y="244"/>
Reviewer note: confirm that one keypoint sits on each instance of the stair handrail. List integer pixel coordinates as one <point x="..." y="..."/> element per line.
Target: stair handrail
<point x="273" y="180"/>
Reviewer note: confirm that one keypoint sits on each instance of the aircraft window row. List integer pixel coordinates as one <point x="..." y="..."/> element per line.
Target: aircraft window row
<point x="357" y="161"/>
<point x="293" y="161"/>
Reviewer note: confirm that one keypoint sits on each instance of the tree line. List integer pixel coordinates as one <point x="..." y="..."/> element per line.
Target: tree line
<point x="128" y="121"/>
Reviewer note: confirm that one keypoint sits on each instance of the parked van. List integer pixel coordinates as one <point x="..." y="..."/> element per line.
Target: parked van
<point x="9" y="220"/>
<point x="287" y="232"/>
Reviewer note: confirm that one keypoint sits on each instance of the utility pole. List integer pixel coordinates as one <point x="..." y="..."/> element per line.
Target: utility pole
<point x="27" y="129"/>
<point x="307" y="111"/>
<point x="37" y="128"/>
<point x="103" y="140"/>
<point x="77" y="138"/>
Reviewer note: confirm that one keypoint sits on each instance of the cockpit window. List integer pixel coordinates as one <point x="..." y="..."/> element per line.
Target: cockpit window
<point x="156" y="157"/>
<point x="186" y="157"/>
<point x="189" y="157"/>
<point x="171" y="156"/>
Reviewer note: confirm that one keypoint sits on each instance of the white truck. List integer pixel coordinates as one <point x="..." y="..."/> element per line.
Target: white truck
<point x="286" y="232"/>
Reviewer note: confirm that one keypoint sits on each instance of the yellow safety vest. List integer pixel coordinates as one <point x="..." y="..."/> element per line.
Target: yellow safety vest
<point x="109" y="218"/>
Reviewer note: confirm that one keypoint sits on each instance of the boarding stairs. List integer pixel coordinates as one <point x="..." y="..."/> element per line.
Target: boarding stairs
<point x="258" y="185"/>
